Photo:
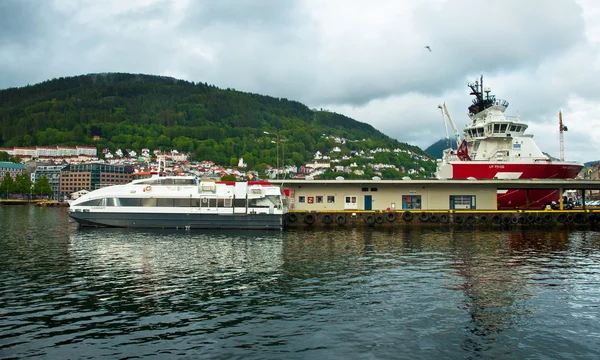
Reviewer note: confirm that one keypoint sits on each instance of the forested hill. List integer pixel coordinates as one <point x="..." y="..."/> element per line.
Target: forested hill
<point x="131" y="111"/>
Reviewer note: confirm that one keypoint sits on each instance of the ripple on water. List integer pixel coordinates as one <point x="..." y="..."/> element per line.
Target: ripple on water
<point x="108" y="293"/>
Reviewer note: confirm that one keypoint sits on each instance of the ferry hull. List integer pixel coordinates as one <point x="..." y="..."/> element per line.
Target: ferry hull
<point x="179" y="221"/>
<point x="513" y="199"/>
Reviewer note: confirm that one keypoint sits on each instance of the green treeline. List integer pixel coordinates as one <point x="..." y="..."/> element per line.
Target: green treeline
<point x="129" y="111"/>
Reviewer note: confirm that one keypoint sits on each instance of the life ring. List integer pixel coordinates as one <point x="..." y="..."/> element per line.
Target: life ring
<point x="424" y="217"/>
<point x="458" y="219"/>
<point x="562" y="218"/>
<point x="444" y="218"/>
<point x="514" y="220"/>
<point x="433" y="218"/>
<point x="370" y="219"/>
<point x="309" y="218"/>
<point x="391" y="216"/>
<point x="407" y="216"/>
<point x="506" y="220"/>
<point x="496" y="219"/>
<point x="379" y="219"/>
<point x="148" y="188"/>
<point x="292" y="217"/>
<point x="522" y="219"/>
<point x="547" y="218"/>
<point x="530" y="218"/>
<point x="326" y="219"/>
<point x="483" y="219"/>
<point x="340" y="219"/>
<point x="570" y="218"/>
<point x="470" y="219"/>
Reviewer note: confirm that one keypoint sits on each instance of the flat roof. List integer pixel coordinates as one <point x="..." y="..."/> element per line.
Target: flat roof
<point x="566" y="184"/>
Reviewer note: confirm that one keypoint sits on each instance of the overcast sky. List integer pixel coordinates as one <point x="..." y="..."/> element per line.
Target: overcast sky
<point x="363" y="58"/>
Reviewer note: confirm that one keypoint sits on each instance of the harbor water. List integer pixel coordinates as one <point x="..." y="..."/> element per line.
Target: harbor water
<point x="452" y="293"/>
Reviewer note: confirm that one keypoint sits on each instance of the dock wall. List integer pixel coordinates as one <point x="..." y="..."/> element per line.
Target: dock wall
<point x="499" y="218"/>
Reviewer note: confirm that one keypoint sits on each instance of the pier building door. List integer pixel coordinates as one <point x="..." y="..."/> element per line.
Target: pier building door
<point x="368" y="202"/>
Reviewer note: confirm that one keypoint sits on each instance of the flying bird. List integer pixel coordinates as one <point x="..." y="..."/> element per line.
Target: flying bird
<point x="428" y="48"/>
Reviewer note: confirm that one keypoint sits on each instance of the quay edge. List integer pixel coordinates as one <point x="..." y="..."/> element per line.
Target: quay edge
<point x="440" y="218"/>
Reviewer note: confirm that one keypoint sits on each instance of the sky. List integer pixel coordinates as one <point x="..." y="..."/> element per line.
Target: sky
<point x="364" y="59"/>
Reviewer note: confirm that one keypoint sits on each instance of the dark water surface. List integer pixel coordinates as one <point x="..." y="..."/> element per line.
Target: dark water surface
<point x="71" y="293"/>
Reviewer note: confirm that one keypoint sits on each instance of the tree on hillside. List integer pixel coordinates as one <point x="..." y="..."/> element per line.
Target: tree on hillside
<point x="7" y="186"/>
<point x="23" y="184"/>
<point x="42" y="186"/>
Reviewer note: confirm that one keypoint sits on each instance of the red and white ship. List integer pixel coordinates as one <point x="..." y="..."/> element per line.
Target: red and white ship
<point x="495" y="146"/>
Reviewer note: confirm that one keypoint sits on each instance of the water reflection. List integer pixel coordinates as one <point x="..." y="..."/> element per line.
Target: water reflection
<point x="68" y="292"/>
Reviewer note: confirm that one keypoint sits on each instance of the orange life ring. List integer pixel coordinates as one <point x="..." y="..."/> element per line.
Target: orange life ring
<point x="148" y="188"/>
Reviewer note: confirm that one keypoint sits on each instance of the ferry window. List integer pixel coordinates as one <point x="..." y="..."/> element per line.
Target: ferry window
<point x="182" y="202"/>
<point x="365" y="189"/>
<point x="148" y="202"/>
<point x="239" y="203"/>
<point x="301" y="199"/>
<point x="95" y="202"/>
<point x="462" y="201"/>
<point x="319" y="199"/>
<point x="330" y="199"/>
<point x="513" y="128"/>
<point x="350" y="199"/>
<point x="373" y="189"/>
<point x="227" y="203"/>
<point x="496" y="128"/>
<point x="212" y="202"/>
<point x="479" y="131"/>
<point x="411" y="201"/>
<point x="503" y="128"/>
<point x="165" y="202"/>
<point x="194" y="202"/>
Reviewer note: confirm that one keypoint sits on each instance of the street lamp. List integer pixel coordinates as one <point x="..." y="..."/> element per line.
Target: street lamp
<point x="277" y="151"/>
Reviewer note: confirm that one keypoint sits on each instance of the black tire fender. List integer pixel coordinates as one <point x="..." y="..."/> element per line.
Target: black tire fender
<point x="391" y="216"/>
<point x="309" y="218"/>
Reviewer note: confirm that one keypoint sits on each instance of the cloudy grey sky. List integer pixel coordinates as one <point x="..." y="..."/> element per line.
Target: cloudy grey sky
<point x="362" y="58"/>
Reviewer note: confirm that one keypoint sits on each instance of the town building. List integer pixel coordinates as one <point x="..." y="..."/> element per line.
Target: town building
<point x="92" y="176"/>
<point x="52" y="173"/>
<point x="11" y="168"/>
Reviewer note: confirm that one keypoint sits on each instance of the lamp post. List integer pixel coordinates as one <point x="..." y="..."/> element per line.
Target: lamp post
<point x="277" y="151"/>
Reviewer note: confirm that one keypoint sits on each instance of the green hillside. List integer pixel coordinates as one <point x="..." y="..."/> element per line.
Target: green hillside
<point x="129" y="111"/>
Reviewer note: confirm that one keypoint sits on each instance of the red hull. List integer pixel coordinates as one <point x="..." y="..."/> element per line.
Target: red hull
<point x="518" y="198"/>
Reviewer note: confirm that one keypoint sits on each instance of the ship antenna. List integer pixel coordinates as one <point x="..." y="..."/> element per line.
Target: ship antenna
<point x="481" y="86"/>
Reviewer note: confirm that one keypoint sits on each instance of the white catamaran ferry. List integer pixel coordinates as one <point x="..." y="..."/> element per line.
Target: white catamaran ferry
<point x="182" y="202"/>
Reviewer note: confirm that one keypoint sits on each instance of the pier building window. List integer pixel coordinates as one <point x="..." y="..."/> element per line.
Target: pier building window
<point x="350" y="202"/>
<point x="411" y="201"/>
<point x="330" y="199"/>
<point x="319" y="199"/>
<point x="365" y="189"/>
<point x="462" y="202"/>
<point x="373" y="189"/>
<point x="301" y="199"/>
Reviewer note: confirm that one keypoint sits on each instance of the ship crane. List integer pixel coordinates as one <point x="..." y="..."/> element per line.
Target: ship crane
<point x="445" y="112"/>
<point x="561" y="130"/>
